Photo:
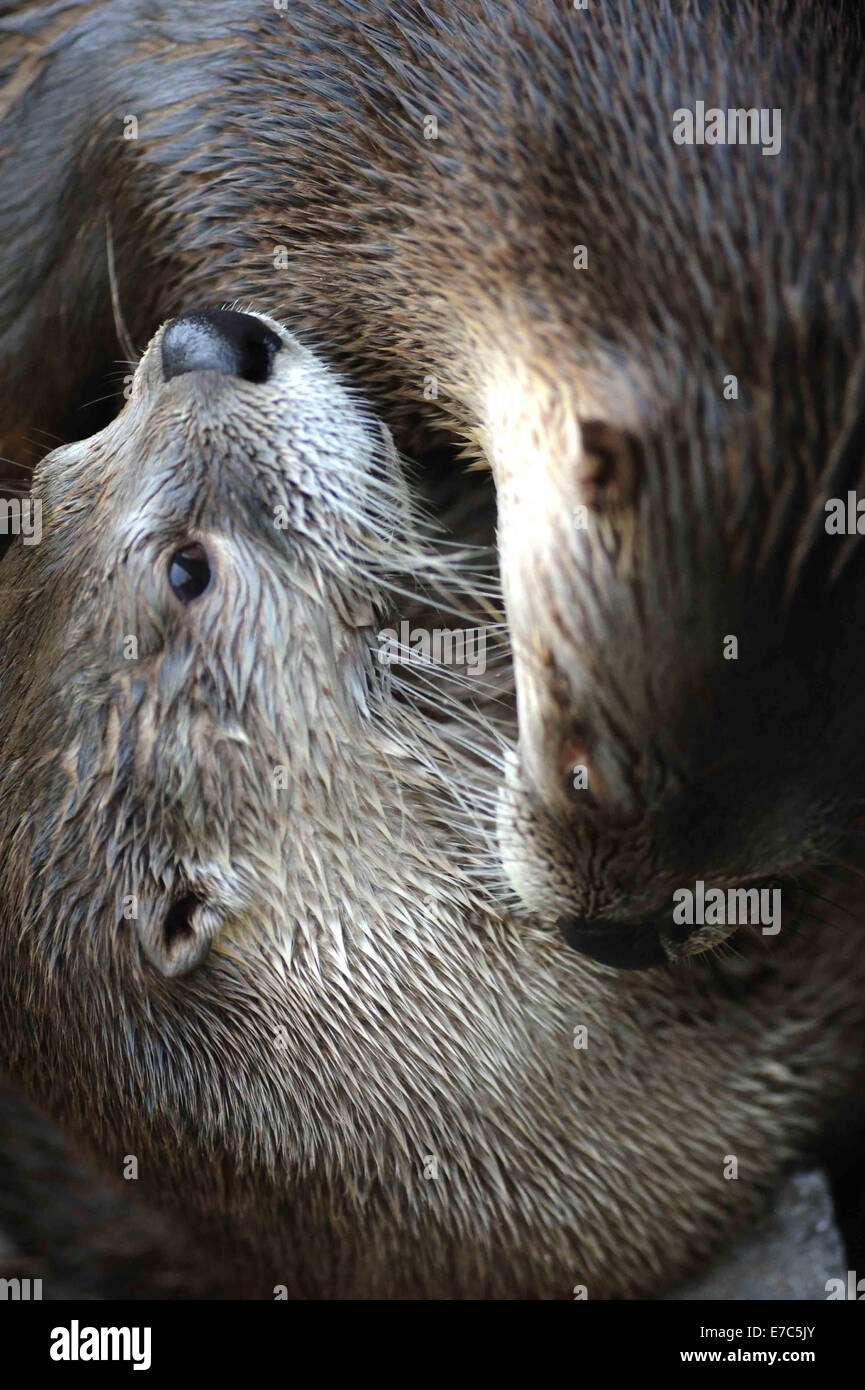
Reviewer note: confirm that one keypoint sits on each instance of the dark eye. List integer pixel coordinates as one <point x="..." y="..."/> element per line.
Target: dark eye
<point x="189" y="572"/>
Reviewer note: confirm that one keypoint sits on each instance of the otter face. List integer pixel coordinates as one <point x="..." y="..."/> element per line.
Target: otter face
<point x="691" y="685"/>
<point x="201" y="612"/>
<point x="238" y="903"/>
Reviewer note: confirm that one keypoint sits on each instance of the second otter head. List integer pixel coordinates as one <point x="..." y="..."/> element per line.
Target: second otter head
<point x="685" y="615"/>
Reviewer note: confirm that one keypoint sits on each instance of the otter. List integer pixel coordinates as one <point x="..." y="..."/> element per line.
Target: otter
<point x="252" y="936"/>
<point x="655" y="345"/>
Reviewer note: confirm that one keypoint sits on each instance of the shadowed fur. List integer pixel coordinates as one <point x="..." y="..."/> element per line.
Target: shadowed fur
<point x="363" y="1079"/>
<point x="282" y="157"/>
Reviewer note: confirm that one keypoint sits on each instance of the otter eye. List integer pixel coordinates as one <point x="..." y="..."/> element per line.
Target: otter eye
<point x="189" y="572"/>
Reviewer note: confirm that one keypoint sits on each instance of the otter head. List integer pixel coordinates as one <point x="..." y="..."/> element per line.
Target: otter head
<point x="668" y="414"/>
<point x="203" y="771"/>
<point x="685" y="609"/>
<point x="200" y="623"/>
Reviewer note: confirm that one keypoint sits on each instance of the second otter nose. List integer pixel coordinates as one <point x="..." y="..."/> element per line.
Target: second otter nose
<point x="219" y="340"/>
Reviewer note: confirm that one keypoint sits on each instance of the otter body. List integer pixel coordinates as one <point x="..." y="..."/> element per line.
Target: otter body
<point x="486" y="214"/>
<point x="245" y="939"/>
<point x="480" y="212"/>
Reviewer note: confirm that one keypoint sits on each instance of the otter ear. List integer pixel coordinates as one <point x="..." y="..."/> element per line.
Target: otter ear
<point x="609" y="465"/>
<point x="176" y="933"/>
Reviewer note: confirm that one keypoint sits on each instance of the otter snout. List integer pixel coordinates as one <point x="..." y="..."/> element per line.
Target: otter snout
<point x="219" y="340"/>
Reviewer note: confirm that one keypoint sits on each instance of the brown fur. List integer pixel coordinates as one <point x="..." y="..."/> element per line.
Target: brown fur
<point x="360" y="1009"/>
<point x="453" y="257"/>
<point x="408" y="257"/>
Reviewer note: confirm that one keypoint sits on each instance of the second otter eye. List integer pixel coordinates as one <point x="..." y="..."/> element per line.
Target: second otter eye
<point x="189" y="572"/>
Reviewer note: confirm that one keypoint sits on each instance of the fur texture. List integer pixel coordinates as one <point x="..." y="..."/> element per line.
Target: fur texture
<point x="368" y="1085"/>
<point x="282" y="156"/>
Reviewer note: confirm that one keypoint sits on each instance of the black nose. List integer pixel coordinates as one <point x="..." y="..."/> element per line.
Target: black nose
<point x="611" y="943"/>
<point x="219" y="340"/>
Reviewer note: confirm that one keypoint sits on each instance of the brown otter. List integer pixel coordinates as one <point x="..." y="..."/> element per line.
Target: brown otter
<point x="246" y="932"/>
<point x="488" y="204"/>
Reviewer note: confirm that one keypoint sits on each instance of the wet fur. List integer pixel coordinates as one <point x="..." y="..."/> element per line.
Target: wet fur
<point x="365" y="1005"/>
<point x="409" y="258"/>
